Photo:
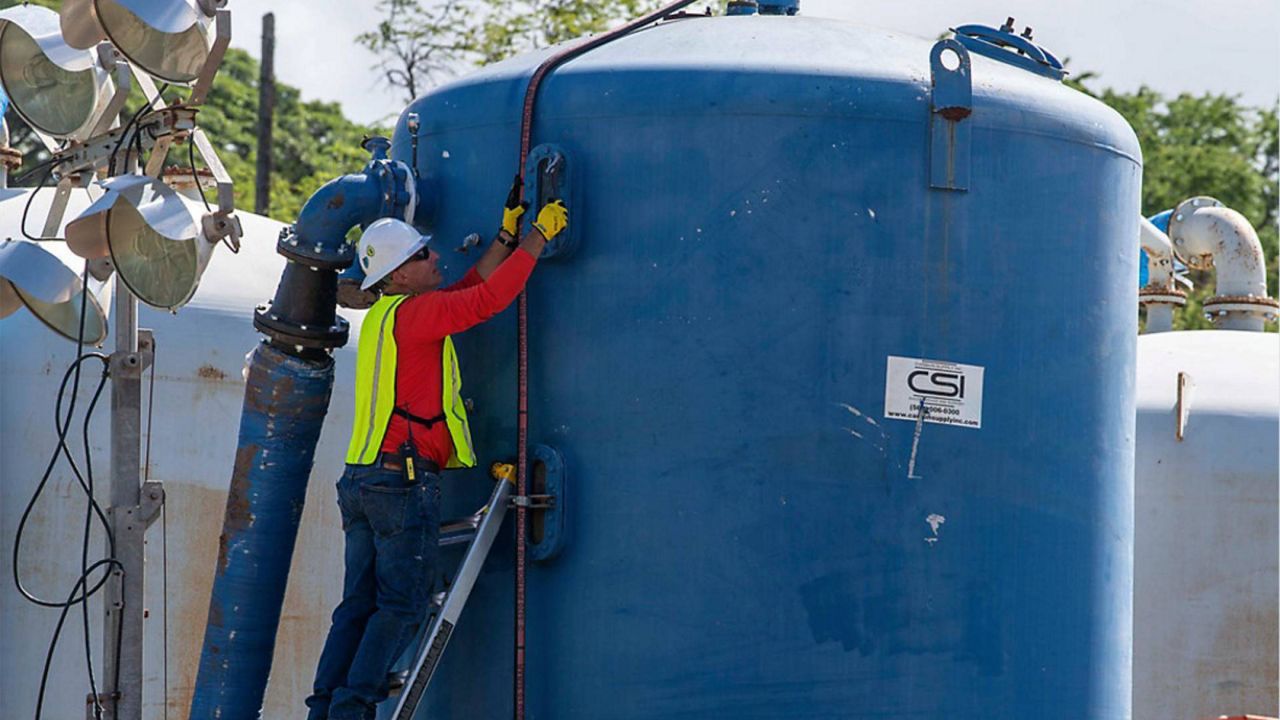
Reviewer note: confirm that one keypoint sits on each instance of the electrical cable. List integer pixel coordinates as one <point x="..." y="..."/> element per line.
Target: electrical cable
<point x="44" y="480"/>
<point x="73" y="375"/>
<point x="18" y="179"/>
<point x="111" y="159"/>
<point x="522" y="337"/>
<point x="84" y="547"/>
<point x="62" y="618"/>
<point x="48" y="172"/>
<point x="191" y="157"/>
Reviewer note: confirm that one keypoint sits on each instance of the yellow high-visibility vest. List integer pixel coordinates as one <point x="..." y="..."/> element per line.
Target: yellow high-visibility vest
<point x="376" y="389"/>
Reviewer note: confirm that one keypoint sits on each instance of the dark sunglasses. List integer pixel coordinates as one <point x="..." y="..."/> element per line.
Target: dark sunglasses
<point x="423" y="254"/>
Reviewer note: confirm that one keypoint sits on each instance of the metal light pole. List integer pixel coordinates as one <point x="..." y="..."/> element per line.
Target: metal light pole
<point x="134" y="506"/>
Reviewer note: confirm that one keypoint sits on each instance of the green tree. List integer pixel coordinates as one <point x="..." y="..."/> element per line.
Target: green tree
<point x="312" y="140"/>
<point x="419" y="45"/>
<point x="1206" y="144"/>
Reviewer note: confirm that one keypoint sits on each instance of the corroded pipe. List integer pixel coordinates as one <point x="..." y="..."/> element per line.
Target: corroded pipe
<point x="1206" y="234"/>
<point x="286" y="398"/>
<point x="285" y="401"/>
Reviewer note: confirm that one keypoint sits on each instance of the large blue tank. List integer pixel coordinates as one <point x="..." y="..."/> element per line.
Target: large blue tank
<point x="767" y="255"/>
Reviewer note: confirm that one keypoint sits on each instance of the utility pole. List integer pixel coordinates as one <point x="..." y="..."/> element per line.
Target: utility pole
<point x="266" y="114"/>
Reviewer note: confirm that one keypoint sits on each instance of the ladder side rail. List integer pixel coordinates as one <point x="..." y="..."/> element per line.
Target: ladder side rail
<point x="442" y="625"/>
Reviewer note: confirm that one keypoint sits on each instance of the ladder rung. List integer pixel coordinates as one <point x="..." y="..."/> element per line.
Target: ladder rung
<point x="457" y="532"/>
<point x="479" y="531"/>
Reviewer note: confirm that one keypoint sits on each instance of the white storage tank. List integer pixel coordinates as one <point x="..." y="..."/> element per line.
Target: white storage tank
<point x="198" y="394"/>
<point x="1205" y="566"/>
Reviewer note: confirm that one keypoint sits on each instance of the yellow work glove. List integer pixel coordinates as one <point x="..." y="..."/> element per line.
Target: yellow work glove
<point x="514" y="209"/>
<point x="552" y="219"/>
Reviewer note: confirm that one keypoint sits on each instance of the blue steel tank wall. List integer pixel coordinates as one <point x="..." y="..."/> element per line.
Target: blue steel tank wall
<point x="751" y="537"/>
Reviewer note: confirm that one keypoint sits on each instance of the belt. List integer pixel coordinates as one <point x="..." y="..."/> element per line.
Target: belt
<point x="393" y="461"/>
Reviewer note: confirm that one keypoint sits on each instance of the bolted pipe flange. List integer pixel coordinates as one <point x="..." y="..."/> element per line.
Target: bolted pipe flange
<point x="1196" y="261"/>
<point x="1222" y="305"/>
<point x="1155" y="295"/>
<point x="285" y="331"/>
<point x="292" y="248"/>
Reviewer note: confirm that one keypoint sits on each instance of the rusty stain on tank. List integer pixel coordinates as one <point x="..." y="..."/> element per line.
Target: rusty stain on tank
<point x="314" y="589"/>
<point x="238" y="517"/>
<point x="315" y="584"/>
<point x="209" y="372"/>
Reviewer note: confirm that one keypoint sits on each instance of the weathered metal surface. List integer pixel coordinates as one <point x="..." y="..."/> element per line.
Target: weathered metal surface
<point x="952" y="101"/>
<point x="1205" y="234"/>
<point x="199" y="388"/>
<point x="744" y="544"/>
<point x="285" y="403"/>
<point x="1206" y="599"/>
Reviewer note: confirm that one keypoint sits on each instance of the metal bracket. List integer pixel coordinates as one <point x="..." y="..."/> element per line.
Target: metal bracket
<point x="226" y="192"/>
<point x="221" y="40"/>
<point x="951" y="103"/>
<point x="57" y="209"/>
<point x="135" y="363"/>
<point x="547" y="475"/>
<point x="151" y="502"/>
<point x="150" y="129"/>
<point x="548" y="175"/>
<point x="121" y="72"/>
<point x="533" y="502"/>
<point x="1184" y="405"/>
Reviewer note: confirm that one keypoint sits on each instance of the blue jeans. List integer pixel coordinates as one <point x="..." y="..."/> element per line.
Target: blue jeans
<point x="392" y="534"/>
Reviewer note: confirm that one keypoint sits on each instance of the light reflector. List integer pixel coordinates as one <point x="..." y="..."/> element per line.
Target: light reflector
<point x="154" y="236"/>
<point x="169" y="39"/>
<point x="38" y="277"/>
<point x="59" y="90"/>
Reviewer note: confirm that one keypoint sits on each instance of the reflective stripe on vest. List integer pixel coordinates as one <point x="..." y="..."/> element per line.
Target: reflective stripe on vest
<point x="376" y="389"/>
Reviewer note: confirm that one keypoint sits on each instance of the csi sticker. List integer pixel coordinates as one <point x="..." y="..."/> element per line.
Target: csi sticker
<point x="947" y="393"/>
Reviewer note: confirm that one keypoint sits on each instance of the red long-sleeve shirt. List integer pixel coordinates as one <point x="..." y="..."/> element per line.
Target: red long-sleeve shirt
<point x="422" y="322"/>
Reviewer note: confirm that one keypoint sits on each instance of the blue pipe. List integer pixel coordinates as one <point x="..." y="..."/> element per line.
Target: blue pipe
<point x="779" y="7"/>
<point x="286" y="399"/>
<point x="285" y="402"/>
<point x="1160" y="220"/>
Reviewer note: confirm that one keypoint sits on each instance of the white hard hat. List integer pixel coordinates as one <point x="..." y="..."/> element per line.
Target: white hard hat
<point x="384" y="246"/>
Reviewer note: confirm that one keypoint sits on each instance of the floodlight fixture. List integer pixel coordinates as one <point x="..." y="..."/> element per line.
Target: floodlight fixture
<point x="172" y="40"/>
<point x="60" y="91"/>
<point x="38" y="276"/>
<point x="159" y="241"/>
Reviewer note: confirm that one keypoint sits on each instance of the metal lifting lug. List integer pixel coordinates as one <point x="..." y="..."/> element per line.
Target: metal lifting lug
<point x="534" y="502"/>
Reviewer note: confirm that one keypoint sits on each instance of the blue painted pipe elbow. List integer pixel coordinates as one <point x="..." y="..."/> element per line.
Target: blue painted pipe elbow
<point x="302" y="317"/>
<point x="320" y="234"/>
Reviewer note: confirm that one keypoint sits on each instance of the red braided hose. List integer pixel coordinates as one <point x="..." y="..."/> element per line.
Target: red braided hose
<point x="522" y="332"/>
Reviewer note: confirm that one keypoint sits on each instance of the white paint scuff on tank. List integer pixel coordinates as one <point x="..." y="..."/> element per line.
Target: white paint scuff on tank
<point x="935" y="521"/>
<point x="881" y="442"/>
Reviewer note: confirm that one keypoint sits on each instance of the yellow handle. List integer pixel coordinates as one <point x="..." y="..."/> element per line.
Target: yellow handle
<point x="503" y="471"/>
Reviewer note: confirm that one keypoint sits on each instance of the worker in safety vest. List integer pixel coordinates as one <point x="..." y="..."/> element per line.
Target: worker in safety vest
<point x="409" y="423"/>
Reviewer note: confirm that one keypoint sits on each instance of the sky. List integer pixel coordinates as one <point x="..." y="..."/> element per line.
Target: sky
<point x="1173" y="46"/>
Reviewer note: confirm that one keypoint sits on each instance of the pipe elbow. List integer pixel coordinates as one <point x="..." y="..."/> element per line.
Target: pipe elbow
<point x="1159" y="249"/>
<point x="320" y="233"/>
<point x="1207" y="234"/>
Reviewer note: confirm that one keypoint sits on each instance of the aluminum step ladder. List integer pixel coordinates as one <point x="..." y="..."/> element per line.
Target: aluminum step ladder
<point x="479" y="530"/>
